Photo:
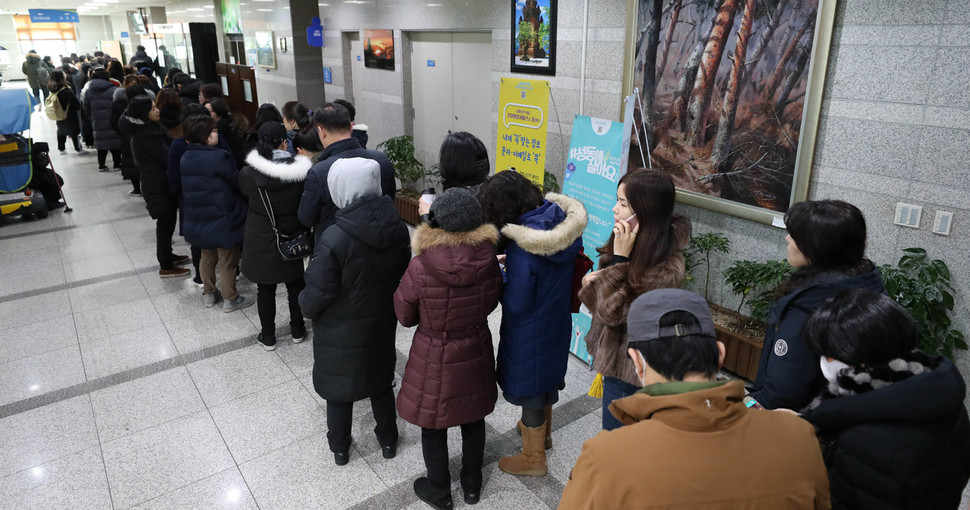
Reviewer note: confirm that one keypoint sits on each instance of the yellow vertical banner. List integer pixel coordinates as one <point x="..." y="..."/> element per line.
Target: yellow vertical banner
<point x="522" y="126"/>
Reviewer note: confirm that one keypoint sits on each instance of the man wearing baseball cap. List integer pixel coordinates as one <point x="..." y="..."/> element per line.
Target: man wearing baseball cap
<point x="688" y="440"/>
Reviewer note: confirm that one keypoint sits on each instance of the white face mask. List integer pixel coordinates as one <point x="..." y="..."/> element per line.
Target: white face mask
<point x="831" y="369"/>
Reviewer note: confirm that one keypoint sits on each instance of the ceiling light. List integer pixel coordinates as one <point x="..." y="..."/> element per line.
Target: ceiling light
<point x="265" y="10"/>
<point x="195" y="9"/>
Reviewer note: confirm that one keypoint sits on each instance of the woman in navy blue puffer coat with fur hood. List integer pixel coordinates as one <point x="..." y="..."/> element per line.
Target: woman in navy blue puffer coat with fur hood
<point x="541" y="238"/>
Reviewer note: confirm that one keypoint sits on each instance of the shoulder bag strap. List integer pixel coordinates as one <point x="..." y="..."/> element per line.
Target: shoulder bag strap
<point x="269" y="208"/>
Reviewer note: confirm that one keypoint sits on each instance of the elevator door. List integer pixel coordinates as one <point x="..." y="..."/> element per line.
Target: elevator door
<point x="450" y="78"/>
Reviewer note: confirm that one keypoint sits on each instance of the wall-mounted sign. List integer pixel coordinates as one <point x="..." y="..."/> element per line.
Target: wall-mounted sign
<point x="327" y="75"/>
<point x="358" y="58"/>
<point x="431" y="63"/>
<point x="53" y="15"/>
<point x="124" y="35"/>
<point x="167" y="28"/>
<point x="522" y="127"/>
<point x="314" y="33"/>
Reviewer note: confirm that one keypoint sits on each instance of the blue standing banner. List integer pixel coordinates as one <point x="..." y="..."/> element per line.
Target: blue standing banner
<point x="598" y="152"/>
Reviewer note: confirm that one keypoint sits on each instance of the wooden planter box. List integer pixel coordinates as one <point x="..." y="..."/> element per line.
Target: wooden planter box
<point x="742" y="354"/>
<point x="407" y="208"/>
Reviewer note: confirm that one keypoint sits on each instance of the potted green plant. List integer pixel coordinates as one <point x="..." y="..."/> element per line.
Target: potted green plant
<point x="922" y="286"/>
<point x="400" y="150"/>
<point x="756" y="283"/>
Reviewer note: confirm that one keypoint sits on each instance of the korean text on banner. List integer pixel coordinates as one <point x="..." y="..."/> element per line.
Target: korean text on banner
<point x="522" y="126"/>
<point x="595" y="165"/>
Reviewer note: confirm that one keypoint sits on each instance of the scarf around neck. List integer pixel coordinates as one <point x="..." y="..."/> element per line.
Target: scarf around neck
<point x="855" y="380"/>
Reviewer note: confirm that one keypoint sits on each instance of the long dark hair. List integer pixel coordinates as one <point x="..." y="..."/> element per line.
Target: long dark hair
<point x="831" y="234"/>
<point x="57" y="81"/>
<point x="650" y="193"/>
<point x="860" y="327"/>
<point x="506" y="196"/>
<point x="463" y="160"/>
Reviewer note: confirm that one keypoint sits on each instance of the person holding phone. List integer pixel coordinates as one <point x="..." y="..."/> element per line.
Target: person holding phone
<point x="642" y="254"/>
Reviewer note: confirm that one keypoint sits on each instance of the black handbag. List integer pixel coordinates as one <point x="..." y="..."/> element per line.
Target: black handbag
<point x="290" y="247"/>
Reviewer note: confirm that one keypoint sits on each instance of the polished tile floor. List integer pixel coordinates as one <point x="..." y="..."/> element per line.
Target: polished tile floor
<point x="119" y="390"/>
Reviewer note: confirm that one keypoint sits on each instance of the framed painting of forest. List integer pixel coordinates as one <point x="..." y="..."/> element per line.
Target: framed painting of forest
<point x="731" y="92"/>
<point x="534" y="36"/>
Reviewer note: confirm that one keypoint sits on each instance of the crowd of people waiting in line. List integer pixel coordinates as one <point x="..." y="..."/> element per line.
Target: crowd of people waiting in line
<point x="863" y="418"/>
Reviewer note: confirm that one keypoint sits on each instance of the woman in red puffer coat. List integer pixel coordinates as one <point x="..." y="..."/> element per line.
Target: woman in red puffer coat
<point x="451" y="286"/>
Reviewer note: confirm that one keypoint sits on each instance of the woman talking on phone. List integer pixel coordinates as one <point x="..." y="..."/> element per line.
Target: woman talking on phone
<point x="643" y="254"/>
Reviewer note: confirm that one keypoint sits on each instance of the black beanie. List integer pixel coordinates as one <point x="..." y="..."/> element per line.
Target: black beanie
<point x="457" y="210"/>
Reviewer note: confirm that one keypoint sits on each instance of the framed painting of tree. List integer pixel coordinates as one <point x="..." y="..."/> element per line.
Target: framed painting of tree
<point x="534" y="36"/>
<point x="731" y="92"/>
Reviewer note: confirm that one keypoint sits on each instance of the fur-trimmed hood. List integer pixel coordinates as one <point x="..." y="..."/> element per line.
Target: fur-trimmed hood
<point x="286" y="172"/>
<point x="558" y="238"/>
<point x="458" y="259"/>
<point x="426" y="237"/>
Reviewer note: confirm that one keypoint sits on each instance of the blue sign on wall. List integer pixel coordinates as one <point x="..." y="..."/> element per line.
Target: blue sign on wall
<point x="327" y="75"/>
<point x="124" y="35"/>
<point x="358" y="58"/>
<point x="53" y="15"/>
<point x="431" y="63"/>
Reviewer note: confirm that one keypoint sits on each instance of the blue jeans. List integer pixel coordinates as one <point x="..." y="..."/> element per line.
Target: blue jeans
<point x="614" y="389"/>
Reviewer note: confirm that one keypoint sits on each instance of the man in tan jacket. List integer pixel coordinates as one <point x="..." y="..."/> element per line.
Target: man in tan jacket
<point x="688" y="440"/>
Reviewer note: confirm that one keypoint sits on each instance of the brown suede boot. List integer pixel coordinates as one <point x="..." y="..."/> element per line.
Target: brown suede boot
<point x="532" y="460"/>
<point x="547" y="426"/>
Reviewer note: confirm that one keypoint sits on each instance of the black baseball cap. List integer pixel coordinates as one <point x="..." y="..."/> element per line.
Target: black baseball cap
<point x="643" y="319"/>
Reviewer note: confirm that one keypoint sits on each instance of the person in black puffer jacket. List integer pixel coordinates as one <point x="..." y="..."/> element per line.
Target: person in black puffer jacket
<point x="356" y="266"/>
<point x="129" y="170"/>
<point x="215" y="211"/>
<point x="273" y="174"/>
<point x="826" y="245"/>
<point x="891" y="421"/>
<point x="98" y="96"/>
<point x="149" y="148"/>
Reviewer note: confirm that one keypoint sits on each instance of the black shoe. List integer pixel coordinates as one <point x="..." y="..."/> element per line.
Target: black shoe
<point x="341" y="458"/>
<point x="267" y="340"/>
<point x="298" y="332"/>
<point x="437" y="498"/>
<point x="389" y="451"/>
<point x="471" y="488"/>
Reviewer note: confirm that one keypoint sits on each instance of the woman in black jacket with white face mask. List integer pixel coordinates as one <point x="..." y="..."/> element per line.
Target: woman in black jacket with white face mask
<point x="272" y="180"/>
<point x="891" y="420"/>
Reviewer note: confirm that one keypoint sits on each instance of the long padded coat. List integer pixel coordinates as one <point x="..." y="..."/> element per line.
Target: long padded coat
<point x="451" y="286"/>
<point x="350" y="282"/>
<point x="282" y="182"/>
<point x="901" y="446"/>
<point x="537" y="302"/>
<point x="214" y="211"/>
<point x="149" y="149"/>
<point x="97" y="102"/>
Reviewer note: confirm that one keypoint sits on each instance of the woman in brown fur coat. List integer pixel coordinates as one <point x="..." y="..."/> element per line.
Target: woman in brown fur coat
<point x="643" y="254"/>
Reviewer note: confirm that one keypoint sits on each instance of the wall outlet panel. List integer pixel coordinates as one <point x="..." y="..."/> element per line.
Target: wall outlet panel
<point x="942" y="223"/>
<point x="908" y="215"/>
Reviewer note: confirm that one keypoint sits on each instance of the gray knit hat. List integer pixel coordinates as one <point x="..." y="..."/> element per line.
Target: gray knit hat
<point x="456" y="210"/>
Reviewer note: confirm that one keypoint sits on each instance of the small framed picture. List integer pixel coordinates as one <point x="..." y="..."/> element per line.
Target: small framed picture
<point x="534" y="36"/>
<point x="265" y="53"/>
<point x="378" y="49"/>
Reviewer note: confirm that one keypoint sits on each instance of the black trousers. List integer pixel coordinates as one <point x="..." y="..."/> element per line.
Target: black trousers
<point x="164" y="230"/>
<point x="135" y="184"/>
<point x="62" y="139"/>
<point x="266" y="304"/>
<point x="115" y="157"/>
<point x="340" y="419"/>
<point x="434" y="445"/>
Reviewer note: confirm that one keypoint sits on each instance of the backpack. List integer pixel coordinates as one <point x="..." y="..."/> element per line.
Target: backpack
<point x="43" y="74"/>
<point x="53" y="108"/>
